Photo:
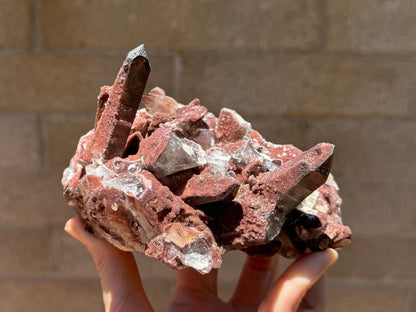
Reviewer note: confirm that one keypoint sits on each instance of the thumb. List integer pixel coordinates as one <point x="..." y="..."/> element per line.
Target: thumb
<point x="289" y="290"/>
<point x="120" y="278"/>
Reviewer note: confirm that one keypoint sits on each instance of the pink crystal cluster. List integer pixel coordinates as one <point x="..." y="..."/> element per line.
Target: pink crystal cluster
<point x="187" y="186"/>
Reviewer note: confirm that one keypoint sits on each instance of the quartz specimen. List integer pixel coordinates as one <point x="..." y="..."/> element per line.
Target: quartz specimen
<point x="183" y="186"/>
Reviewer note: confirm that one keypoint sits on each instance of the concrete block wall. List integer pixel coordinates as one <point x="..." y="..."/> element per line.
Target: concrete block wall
<point x="301" y="71"/>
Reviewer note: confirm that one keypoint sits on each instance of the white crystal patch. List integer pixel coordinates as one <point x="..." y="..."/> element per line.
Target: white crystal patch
<point x="308" y="204"/>
<point x="197" y="256"/>
<point x="219" y="162"/>
<point x="126" y="183"/>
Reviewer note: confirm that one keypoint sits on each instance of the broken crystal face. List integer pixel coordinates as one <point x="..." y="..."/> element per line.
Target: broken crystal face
<point x="232" y="127"/>
<point x="197" y="256"/>
<point x="218" y="161"/>
<point x="205" y="138"/>
<point x="180" y="154"/>
<point x="125" y="182"/>
<point x="68" y="174"/>
<point x="184" y="186"/>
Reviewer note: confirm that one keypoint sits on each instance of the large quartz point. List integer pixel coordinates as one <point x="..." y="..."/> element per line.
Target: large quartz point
<point x="183" y="186"/>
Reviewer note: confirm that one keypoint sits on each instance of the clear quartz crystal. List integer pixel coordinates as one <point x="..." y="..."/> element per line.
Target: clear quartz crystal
<point x="124" y="182"/>
<point x="197" y="256"/>
<point x="205" y="138"/>
<point x="270" y="165"/>
<point x="218" y="161"/>
<point x="179" y="154"/>
<point x="68" y="174"/>
<point x="246" y="154"/>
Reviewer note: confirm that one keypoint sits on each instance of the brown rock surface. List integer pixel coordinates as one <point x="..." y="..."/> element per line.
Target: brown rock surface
<point x="184" y="187"/>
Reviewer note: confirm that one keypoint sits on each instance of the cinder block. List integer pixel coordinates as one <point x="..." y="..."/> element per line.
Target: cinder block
<point x="368" y="149"/>
<point x="179" y="25"/>
<point x="32" y="201"/>
<point x="378" y="207"/>
<point x="51" y="295"/>
<point x="159" y="292"/>
<point x="379" y="258"/>
<point x="155" y="274"/>
<point x="226" y="290"/>
<point x="70" y="258"/>
<point x="372" y="26"/>
<point x="24" y="251"/>
<point x="163" y="73"/>
<point x="20" y="138"/>
<point x="15" y="24"/>
<point x="67" y="83"/>
<point x="61" y="135"/>
<point x="272" y="84"/>
<point x="279" y="130"/>
<point x="231" y="267"/>
<point x="412" y="301"/>
<point x="151" y="269"/>
<point x="361" y="299"/>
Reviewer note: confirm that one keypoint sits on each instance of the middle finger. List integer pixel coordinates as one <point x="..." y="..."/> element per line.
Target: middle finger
<point x="255" y="279"/>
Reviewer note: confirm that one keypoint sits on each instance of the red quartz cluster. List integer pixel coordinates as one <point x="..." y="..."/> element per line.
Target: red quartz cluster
<point x="183" y="186"/>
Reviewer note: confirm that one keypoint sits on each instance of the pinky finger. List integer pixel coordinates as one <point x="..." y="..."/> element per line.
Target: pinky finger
<point x="288" y="291"/>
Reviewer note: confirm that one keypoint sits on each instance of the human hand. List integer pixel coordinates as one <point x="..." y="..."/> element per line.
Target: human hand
<point x="302" y="287"/>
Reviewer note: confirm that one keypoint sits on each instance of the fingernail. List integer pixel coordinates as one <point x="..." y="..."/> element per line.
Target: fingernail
<point x="320" y="261"/>
<point x="67" y="226"/>
<point x="334" y="254"/>
<point x="72" y="227"/>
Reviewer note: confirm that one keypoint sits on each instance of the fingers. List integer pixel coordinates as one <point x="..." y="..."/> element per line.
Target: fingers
<point x="257" y="275"/>
<point x="191" y="280"/>
<point x="316" y="298"/>
<point x="194" y="291"/>
<point x="120" y="279"/>
<point x="288" y="291"/>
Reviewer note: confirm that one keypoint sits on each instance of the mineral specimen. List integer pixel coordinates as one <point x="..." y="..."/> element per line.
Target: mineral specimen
<point x="182" y="186"/>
